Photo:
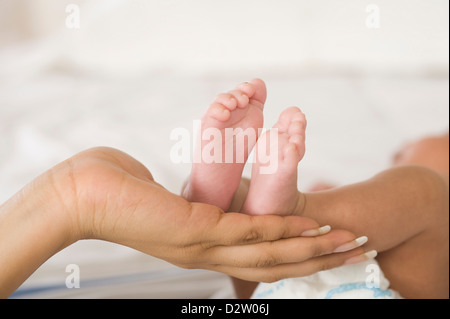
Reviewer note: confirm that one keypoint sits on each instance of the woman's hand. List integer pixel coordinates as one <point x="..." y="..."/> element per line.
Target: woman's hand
<point x="105" y="194"/>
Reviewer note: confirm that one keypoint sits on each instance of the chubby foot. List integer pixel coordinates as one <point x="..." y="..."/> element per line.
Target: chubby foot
<point x="273" y="186"/>
<point x="229" y="130"/>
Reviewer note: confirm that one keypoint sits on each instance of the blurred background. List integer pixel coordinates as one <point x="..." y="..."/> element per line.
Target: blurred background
<point x="369" y="75"/>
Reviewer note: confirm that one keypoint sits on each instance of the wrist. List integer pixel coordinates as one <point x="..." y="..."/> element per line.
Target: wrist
<point x="73" y="185"/>
<point x="34" y="226"/>
<point x="55" y="191"/>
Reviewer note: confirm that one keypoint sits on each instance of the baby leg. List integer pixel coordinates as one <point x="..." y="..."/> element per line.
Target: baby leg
<point x="404" y="212"/>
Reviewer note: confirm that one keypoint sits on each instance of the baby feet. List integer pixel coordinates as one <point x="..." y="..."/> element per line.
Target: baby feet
<point x="229" y="130"/>
<point x="275" y="192"/>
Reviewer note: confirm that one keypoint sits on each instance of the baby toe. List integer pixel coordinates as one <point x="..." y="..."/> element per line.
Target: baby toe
<point x="227" y="100"/>
<point x="218" y="111"/>
<point x="241" y="98"/>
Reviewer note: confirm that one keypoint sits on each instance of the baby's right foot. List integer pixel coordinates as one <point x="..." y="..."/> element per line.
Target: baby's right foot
<point x="276" y="192"/>
<point x="216" y="182"/>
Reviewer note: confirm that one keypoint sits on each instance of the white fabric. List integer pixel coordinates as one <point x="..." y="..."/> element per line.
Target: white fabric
<point x="359" y="281"/>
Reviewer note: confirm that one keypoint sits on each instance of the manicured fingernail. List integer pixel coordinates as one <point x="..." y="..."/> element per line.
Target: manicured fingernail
<point x="357" y="259"/>
<point x="316" y="232"/>
<point x="351" y="245"/>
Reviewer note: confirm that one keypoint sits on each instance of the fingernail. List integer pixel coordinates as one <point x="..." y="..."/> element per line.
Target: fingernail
<point x="316" y="232"/>
<point x="357" y="259"/>
<point x="351" y="245"/>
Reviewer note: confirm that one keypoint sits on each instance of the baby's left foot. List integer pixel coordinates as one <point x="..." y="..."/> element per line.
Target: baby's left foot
<point x="241" y="110"/>
<point x="276" y="192"/>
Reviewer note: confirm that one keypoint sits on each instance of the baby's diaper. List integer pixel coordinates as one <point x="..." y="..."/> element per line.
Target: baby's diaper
<point x="358" y="281"/>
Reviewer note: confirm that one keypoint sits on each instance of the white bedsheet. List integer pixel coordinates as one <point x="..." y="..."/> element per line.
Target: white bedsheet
<point x="51" y="108"/>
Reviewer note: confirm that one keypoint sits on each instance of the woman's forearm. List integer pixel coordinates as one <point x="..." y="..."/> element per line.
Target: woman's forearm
<point x="34" y="225"/>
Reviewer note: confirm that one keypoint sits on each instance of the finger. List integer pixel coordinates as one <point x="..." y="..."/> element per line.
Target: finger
<point x="291" y="270"/>
<point x="234" y="229"/>
<point x="290" y="250"/>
